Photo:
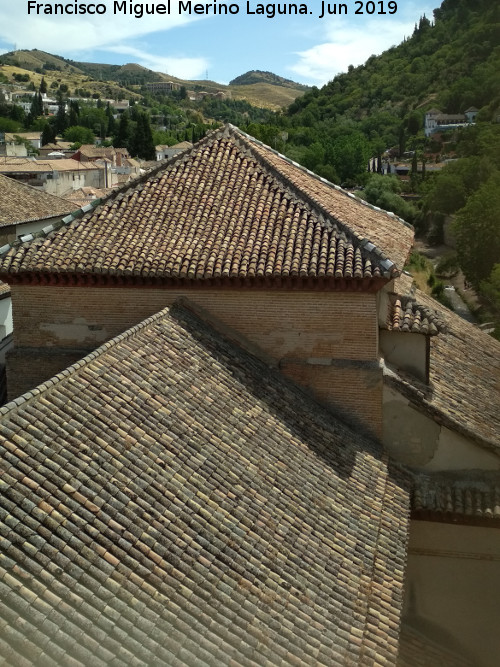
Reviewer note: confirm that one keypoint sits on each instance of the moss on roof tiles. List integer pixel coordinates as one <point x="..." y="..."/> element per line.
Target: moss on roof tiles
<point x="171" y="499"/>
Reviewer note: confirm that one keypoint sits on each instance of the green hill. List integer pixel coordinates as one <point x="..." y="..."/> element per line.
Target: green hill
<point x="453" y="63"/>
<point x="262" y="89"/>
<point x="258" y="76"/>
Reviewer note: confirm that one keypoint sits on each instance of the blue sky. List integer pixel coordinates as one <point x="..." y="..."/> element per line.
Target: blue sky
<point x="304" y="48"/>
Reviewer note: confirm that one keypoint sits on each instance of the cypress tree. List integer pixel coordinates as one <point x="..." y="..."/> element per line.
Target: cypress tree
<point x="122" y="138"/>
<point x="149" y="150"/>
<point x="61" y="117"/>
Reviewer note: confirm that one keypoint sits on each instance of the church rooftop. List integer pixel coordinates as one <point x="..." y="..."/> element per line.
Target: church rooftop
<point x="229" y="209"/>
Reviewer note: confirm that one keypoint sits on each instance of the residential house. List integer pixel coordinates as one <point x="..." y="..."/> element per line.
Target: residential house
<point x="25" y="210"/>
<point x="56" y="177"/>
<point x="91" y="153"/>
<point x="119" y="106"/>
<point x="10" y="146"/>
<point x="435" y="121"/>
<point x="14" y="144"/>
<point x="34" y="138"/>
<point x="245" y="308"/>
<point x="62" y="147"/>
<point x="115" y="162"/>
<point x="164" y="152"/>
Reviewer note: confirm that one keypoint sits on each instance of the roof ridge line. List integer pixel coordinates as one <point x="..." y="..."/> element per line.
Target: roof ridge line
<point x="80" y="212"/>
<point x="77" y="365"/>
<point x="364" y="243"/>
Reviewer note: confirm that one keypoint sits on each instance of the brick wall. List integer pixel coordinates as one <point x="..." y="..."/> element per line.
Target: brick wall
<point x="26" y="368"/>
<point x="295" y="325"/>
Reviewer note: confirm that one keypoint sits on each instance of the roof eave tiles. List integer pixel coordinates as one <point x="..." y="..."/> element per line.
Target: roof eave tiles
<point x="217" y="211"/>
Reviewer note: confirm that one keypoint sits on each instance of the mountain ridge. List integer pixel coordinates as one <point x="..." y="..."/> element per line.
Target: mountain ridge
<point x="257" y="87"/>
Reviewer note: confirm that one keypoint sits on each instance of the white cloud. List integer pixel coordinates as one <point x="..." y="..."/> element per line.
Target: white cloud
<point x="347" y="42"/>
<point x="81" y="33"/>
<point x="181" y="67"/>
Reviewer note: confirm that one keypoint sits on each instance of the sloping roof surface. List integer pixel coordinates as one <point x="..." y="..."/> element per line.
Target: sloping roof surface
<point x="170" y="500"/>
<point x="464" y="391"/>
<point x="91" y="151"/>
<point x="407" y="316"/>
<point x="24" y="165"/>
<point x="221" y="211"/>
<point x="4" y="289"/>
<point x="393" y="237"/>
<point x="20" y="203"/>
<point x="11" y="136"/>
<point x="456" y="496"/>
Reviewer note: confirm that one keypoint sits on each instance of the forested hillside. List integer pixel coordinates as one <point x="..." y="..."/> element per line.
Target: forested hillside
<point x="451" y="63"/>
<point x="376" y="112"/>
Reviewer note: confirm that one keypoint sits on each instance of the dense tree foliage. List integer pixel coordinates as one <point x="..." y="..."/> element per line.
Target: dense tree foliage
<point x="384" y="191"/>
<point x="477" y="231"/>
<point x="78" y="134"/>
<point x="451" y="64"/>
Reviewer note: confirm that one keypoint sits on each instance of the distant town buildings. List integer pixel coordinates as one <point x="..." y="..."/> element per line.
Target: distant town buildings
<point x="163" y="152"/>
<point x="162" y="86"/>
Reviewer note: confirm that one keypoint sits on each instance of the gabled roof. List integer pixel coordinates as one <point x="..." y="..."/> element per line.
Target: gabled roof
<point x="58" y="145"/>
<point x="464" y="378"/>
<point x="183" y="145"/>
<point x="171" y="500"/>
<point x="11" y="136"/>
<point x="228" y="209"/>
<point x="23" y="203"/>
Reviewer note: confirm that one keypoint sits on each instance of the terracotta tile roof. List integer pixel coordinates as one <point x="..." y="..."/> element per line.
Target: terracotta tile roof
<point x="183" y="145"/>
<point x="58" y="146"/>
<point x="21" y="203"/>
<point x="90" y="151"/>
<point x="457" y="497"/>
<point x="405" y="285"/>
<point x="385" y="230"/>
<point x="4" y="289"/>
<point x="464" y="374"/>
<point x="20" y="164"/>
<point x="24" y="165"/>
<point x="218" y="211"/>
<point x="407" y="316"/>
<point x="11" y="136"/>
<point x="171" y="500"/>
